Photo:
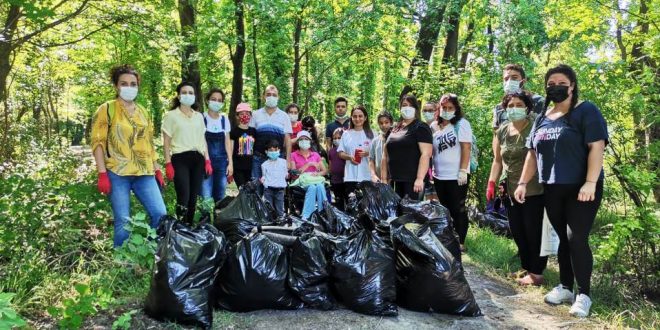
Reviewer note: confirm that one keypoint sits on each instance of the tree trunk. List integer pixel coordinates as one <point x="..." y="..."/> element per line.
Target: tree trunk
<point x="6" y="47"/>
<point x="257" y="79"/>
<point x="465" y="50"/>
<point x="491" y="37"/>
<point x="296" y="58"/>
<point x="429" y="30"/>
<point x="450" y="53"/>
<point x="237" y="59"/>
<point x="189" y="62"/>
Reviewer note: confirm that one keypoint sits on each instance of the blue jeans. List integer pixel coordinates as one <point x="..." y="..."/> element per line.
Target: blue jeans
<point x="315" y="195"/>
<point x="147" y="192"/>
<point x="275" y="197"/>
<point x="216" y="184"/>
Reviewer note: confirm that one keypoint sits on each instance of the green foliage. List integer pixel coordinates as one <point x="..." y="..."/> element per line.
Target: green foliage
<point x="74" y="310"/>
<point x="124" y="321"/>
<point x="138" y="250"/>
<point x="8" y="316"/>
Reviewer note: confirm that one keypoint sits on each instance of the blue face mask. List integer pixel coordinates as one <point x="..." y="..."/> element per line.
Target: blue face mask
<point x="272" y="155"/>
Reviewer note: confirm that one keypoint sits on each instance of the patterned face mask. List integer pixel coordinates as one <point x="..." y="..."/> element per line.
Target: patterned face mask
<point x="244" y="118"/>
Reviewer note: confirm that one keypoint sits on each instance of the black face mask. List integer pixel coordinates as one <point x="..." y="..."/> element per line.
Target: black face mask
<point x="556" y="93"/>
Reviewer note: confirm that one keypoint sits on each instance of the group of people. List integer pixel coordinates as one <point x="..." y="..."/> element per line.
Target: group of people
<point x="548" y="155"/>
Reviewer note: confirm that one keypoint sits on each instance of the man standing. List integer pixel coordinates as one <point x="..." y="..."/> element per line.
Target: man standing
<point x="271" y="123"/>
<point x="514" y="79"/>
<point x="341" y="120"/>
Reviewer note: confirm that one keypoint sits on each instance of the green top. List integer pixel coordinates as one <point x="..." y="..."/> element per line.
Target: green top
<point x="513" y="151"/>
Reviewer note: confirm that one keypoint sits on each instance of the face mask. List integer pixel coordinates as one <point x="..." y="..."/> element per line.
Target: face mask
<point x="271" y="101"/>
<point x="515" y="114"/>
<point x="407" y="112"/>
<point x="215" y="105"/>
<point x="128" y="94"/>
<point x="244" y="119"/>
<point x="556" y="93"/>
<point x="511" y="86"/>
<point x="447" y="115"/>
<point x="293" y="117"/>
<point x="272" y="155"/>
<point x="305" y="144"/>
<point x="187" y="99"/>
<point x="336" y="142"/>
<point x="429" y="116"/>
<point x="342" y="117"/>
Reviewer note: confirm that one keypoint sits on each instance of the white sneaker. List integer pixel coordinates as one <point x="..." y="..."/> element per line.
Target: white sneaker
<point x="581" y="306"/>
<point x="559" y="295"/>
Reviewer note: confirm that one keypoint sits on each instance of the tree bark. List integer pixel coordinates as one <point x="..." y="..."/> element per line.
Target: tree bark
<point x="427" y="38"/>
<point x="450" y="53"/>
<point x="189" y="62"/>
<point x="237" y="59"/>
<point x="257" y="79"/>
<point x="296" y="58"/>
<point x="465" y="51"/>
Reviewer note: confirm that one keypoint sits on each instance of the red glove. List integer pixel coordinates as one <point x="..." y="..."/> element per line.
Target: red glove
<point x="230" y="179"/>
<point x="159" y="178"/>
<point x="103" y="183"/>
<point x="169" y="171"/>
<point x="490" y="191"/>
<point x="207" y="167"/>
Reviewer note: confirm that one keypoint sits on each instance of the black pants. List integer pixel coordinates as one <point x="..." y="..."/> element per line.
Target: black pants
<point x="526" y="223"/>
<point x="572" y="220"/>
<point x="453" y="197"/>
<point x="349" y="187"/>
<point x="242" y="176"/>
<point x="188" y="177"/>
<point x="339" y="190"/>
<point x="404" y="189"/>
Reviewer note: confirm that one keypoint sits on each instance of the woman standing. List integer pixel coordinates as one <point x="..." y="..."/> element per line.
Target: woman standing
<point x="408" y="151"/>
<point x="186" y="154"/>
<point x="509" y="151"/>
<point x="451" y="161"/>
<point x="354" y="148"/>
<point x="218" y="143"/>
<point x="566" y="149"/>
<point x="122" y="143"/>
<point x="308" y="162"/>
<point x="242" y="144"/>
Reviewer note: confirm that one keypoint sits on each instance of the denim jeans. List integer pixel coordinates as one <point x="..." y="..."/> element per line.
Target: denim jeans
<point x="275" y="197"/>
<point x="315" y="195"/>
<point x="147" y="192"/>
<point x="216" y="184"/>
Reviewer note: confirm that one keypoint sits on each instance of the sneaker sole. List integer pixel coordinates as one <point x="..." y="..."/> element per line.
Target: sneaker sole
<point x="557" y="303"/>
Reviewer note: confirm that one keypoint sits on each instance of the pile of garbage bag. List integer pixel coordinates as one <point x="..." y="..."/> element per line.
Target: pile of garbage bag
<point x="495" y="221"/>
<point x="384" y="253"/>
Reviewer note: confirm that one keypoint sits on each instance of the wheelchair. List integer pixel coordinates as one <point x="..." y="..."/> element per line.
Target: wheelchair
<point x="294" y="197"/>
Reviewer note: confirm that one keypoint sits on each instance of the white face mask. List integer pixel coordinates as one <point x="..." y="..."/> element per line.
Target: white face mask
<point x="429" y="116"/>
<point x="215" y="105"/>
<point x="187" y="99"/>
<point x="304" y="144"/>
<point x="447" y="115"/>
<point x="407" y="112"/>
<point x="293" y="117"/>
<point x="512" y="86"/>
<point x="271" y="101"/>
<point x="128" y="94"/>
<point x="515" y="114"/>
<point x="336" y="142"/>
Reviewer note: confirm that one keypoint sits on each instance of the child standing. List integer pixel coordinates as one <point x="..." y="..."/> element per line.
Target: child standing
<point x="274" y="177"/>
<point x="337" y="170"/>
<point x="242" y="141"/>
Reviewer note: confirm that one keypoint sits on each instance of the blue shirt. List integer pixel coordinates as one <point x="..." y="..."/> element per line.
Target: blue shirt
<point x="561" y="145"/>
<point x="330" y="128"/>
<point x="270" y="127"/>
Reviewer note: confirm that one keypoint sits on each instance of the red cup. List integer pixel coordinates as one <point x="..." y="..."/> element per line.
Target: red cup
<point x="357" y="156"/>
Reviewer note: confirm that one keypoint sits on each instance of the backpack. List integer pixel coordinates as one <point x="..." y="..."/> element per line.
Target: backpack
<point x="474" y="150"/>
<point x="110" y="112"/>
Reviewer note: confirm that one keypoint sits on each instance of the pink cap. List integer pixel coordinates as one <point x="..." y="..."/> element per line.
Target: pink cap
<point x="241" y="107"/>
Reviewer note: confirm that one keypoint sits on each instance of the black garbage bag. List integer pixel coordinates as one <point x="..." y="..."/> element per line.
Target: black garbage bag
<point x="429" y="278"/>
<point x="363" y="274"/>
<point x="333" y="221"/>
<point x="440" y="222"/>
<point x="497" y="223"/>
<point x="221" y="204"/>
<point x="244" y="212"/>
<point x="187" y="263"/>
<point x="378" y="201"/>
<point x="309" y="275"/>
<point x="255" y="276"/>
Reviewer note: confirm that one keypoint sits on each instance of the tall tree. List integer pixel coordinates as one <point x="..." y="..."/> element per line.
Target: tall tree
<point x="237" y="57"/>
<point x="429" y="30"/>
<point x="450" y="53"/>
<point x="189" y="61"/>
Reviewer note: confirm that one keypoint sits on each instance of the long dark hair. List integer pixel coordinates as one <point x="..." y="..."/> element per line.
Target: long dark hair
<point x="453" y="98"/>
<point x="365" y="126"/>
<point x="176" y="103"/>
<point x="412" y="100"/>
<point x="572" y="77"/>
<point x="523" y="96"/>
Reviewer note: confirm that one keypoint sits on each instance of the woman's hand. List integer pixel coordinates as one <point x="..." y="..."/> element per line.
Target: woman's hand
<point x="519" y="194"/>
<point x="462" y="177"/>
<point x="374" y="178"/>
<point x="490" y="191"/>
<point x="355" y="162"/>
<point x="364" y="153"/>
<point x="587" y="192"/>
<point x="419" y="185"/>
<point x="103" y="183"/>
<point x="230" y="169"/>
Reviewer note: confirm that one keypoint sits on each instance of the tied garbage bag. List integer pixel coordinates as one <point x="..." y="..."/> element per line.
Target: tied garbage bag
<point x="429" y="278"/>
<point x="363" y="274"/>
<point x="244" y="212"/>
<point x="439" y="221"/>
<point x="378" y="201"/>
<point x="498" y="223"/>
<point x="333" y="221"/>
<point x="187" y="263"/>
<point x="255" y="276"/>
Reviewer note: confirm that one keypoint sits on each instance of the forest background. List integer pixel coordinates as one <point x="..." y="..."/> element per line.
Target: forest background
<point x="55" y="250"/>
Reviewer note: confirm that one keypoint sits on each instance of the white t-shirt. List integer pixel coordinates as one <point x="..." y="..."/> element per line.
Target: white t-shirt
<point x="215" y="125"/>
<point x="274" y="172"/>
<point x="350" y="141"/>
<point x="447" y="150"/>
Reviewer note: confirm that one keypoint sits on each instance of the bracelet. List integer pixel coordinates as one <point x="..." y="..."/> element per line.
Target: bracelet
<point x="590" y="181"/>
<point x="522" y="183"/>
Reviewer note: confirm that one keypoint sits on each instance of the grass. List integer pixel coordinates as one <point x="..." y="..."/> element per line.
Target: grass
<point x="613" y="305"/>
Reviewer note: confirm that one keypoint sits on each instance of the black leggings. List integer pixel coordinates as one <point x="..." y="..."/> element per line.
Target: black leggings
<point x="242" y="176"/>
<point x="572" y="220"/>
<point x="526" y="223"/>
<point x="404" y="189"/>
<point x="188" y="177"/>
<point x="453" y="197"/>
<point x="339" y="190"/>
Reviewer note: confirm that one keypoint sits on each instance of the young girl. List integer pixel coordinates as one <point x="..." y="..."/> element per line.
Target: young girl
<point x="385" y="122"/>
<point x="337" y="166"/>
<point x="308" y="162"/>
<point x="354" y="147"/>
<point x="242" y="144"/>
